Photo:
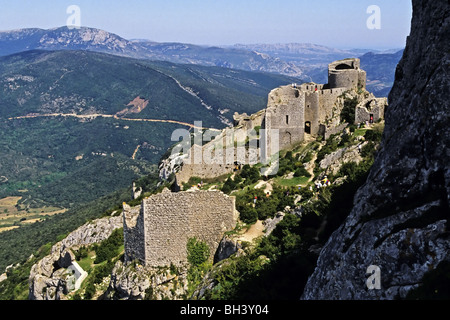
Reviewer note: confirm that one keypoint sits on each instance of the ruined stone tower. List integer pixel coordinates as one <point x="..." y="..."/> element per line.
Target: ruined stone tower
<point x="310" y="108"/>
<point x="294" y="113"/>
<point x="156" y="234"/>
<point x="346" y="74"/>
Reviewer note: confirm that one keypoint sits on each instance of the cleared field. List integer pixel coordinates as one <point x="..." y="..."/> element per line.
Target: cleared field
<point x="13" y="215"/>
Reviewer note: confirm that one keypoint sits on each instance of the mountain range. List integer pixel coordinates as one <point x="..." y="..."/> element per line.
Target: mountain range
<point x="305" y="60"/>
<point x="101" y="41"/>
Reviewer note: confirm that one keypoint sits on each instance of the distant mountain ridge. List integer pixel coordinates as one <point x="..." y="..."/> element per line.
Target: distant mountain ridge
<point x="92" y="39"/>
<point x="64" y="38"/>
<point x="304" y="60"/>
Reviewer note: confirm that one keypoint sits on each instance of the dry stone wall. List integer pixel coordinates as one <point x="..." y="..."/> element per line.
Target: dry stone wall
<point x="168" y="220"/>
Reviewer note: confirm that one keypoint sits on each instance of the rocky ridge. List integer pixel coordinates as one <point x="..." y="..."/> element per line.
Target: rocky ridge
<point x="85" y="38"/>
<point x="133" y="281"/>
<point x="50" y="278"/>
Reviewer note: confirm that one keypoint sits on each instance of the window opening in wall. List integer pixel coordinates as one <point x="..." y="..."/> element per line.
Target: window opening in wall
<point x="308" y="127"/>
<point x="287" y="119"/>
<point x="344" y="66"/>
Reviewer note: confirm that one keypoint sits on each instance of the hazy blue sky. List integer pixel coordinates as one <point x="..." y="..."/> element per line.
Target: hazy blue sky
<point x="333" y="23"/>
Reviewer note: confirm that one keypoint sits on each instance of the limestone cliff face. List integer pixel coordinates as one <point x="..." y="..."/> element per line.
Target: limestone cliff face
<point x="51" y="277"/>
<point x="399" y="221"/>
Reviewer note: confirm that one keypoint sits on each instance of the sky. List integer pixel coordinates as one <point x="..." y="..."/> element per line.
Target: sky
<point x="339" y="24"/>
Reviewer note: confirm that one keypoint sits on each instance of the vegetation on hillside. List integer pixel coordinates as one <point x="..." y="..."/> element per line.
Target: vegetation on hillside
<point x="66" y="161"/>
<point x="278" y="266"/>
<point x="24" y="247"/>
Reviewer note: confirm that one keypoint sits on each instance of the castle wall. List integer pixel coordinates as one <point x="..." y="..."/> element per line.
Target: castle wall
<point x="328" y="100"/>
<point x="218" y="156"/>
<point x="285" y="113"/>
<point x="133" y="232"/>
<point x="203" y="171"/>
<point x="169" y="220"/>
<point x="312" y="107"/>
<point x="343" y="79"/>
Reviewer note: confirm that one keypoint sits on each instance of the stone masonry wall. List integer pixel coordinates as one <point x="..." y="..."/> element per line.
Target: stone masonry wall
<point x="133" y="232"/>
<point x="372" y="106"/>
<point x="169" y="219"/>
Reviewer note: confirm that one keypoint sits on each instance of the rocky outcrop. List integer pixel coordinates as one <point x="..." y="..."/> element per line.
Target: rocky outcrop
<point x="133" y="281"/>
<point x="227" y="247"/>
<point x="57" y="274"/>
<point x="334" y="161"/>
<point x="271" y="223"/>
<point x="399" y="221"/>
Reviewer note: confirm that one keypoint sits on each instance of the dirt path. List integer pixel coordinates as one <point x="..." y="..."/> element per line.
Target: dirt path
<point x="135" y="151"/>
<point x="255" y="231"/>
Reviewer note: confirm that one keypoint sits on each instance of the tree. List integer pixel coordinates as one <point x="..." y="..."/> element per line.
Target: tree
<point x="197" y="252"/>
<point x="348" y="111"/>
<point x="109" y="247"/>
<point x="301" y="172"/>
<point x="228" y="186"/>
<point x="248" y="214"/>
<point x="251" y="174"/>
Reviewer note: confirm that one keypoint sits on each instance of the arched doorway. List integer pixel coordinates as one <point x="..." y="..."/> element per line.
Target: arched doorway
<point x="308" y="127"/>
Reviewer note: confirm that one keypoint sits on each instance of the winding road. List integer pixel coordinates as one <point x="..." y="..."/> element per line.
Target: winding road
<point x="97" y="115"/>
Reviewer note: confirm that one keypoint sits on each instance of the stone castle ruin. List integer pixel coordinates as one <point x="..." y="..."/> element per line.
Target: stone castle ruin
<point x="311" y="110"/>
<point x="157" y="232"/>
<point x="295" y="112"/>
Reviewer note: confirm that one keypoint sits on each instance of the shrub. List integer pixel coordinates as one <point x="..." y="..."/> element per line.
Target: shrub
<point x="267" y="209"/>
<point x="108" y="248"/>
<point x="368" y="150"/>
<point x="90" y="291"/>
<point x="81" y="253"/>
<point x="248" y="214"/>
<point x="250" y="174"/>
<point x="373" y="135"/>
<point x="308" y="157"/>
<point x="228" y="186"/>
<point x="348" y="111"/>
<point x="197" y="252"/>
<point x="301" y="172"/>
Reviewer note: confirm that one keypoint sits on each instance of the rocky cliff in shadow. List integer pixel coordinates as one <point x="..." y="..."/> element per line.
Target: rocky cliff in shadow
<point x="400" y="218"/>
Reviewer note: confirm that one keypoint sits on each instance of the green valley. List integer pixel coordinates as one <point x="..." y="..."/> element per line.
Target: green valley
<point x="126" y="110"/>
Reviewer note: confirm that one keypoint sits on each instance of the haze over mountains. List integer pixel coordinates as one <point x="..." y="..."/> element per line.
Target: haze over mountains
<point x="308" y="61"/>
